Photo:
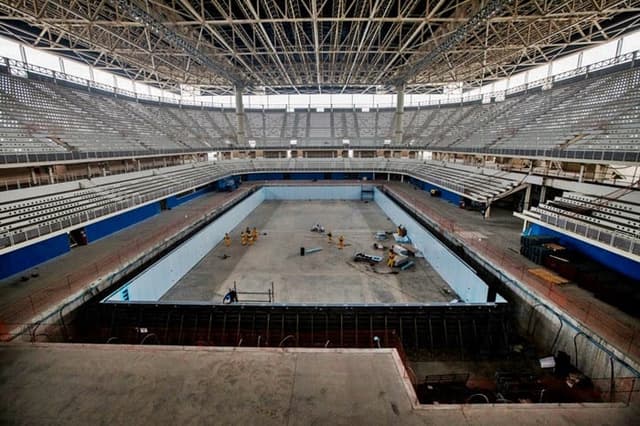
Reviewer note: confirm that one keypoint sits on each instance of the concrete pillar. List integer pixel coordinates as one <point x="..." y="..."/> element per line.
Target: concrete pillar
<point x="89" y="171"/>
<point x="138" y="165"/>
<point x="581" y="176"/>
<point x="527" y="198"/>
<point x="240" y="136"/>
<point x="543" y="193"/>
<point x="374" y="176"/>
<point x="402" y="178"/>
<point x="51" y="177"/>
<point x="388" y="177"/>
<point x="487" y="211"/>
<point x="34" y="177"/>
<point x="399" y="113"/>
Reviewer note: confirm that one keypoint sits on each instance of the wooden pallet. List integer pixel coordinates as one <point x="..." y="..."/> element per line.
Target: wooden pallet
<point x="548" y="276"/>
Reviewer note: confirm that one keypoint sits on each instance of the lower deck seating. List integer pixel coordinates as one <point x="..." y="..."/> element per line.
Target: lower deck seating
<point x="27" y="217"/>
<point x="602" y="220"/>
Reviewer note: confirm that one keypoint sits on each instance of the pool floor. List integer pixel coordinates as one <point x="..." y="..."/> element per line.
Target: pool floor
<point x="327" y="276"/>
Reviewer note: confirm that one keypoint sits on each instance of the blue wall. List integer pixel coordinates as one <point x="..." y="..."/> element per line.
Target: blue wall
<point x="325" y="192"/>
<point x="306" y="176"/>
<point x="106" y="227"/>
<point x="614" y="261"/>
<point x="444" y="194"/>
<point x="175" y="201"/>
<point x="28" y="257"/>
<point x="264" y="176"/>
<point x="228" y="184"/>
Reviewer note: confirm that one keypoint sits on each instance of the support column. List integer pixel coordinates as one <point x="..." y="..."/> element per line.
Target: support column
<point x="543" y="193"/>
<point x="581" y="176"/>
<point x="50" y="172"/>
<point x="527" y="198"/>
<point x="399" y="113"/>
<point x="34" y="177"/>
<point x="388" y="177"/>
<point x="240" y="135"/>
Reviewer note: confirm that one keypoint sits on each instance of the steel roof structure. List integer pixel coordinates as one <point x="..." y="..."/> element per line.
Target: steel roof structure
<point x="316" y="46"/>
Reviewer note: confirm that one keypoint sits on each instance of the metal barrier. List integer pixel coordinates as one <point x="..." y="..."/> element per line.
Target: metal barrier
<point x="270" y="293"/>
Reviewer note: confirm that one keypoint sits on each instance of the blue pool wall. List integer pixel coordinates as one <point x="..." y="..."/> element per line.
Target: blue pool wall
<point x="154" y="282"/>
<point x="461" y="277"/>
<point x="151" y="284"/>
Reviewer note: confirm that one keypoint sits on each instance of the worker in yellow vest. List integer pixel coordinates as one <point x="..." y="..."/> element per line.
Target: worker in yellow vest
<point x="330" y="236"/>
<point x="341" y="242"/>
<point x="391" y="261"/>
<point x="254" y="234"/>
<point x="243" y="238"/>
<point x="227" y="240"/>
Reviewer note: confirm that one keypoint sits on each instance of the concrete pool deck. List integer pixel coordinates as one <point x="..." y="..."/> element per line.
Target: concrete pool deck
<point x="327" y="276"/>
<point x="111" y="384"/>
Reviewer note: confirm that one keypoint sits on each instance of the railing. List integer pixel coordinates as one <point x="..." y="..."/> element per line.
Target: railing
<point x="20" y="158"/>
<point x="611" y="238"/>
<point x="21" y="68"/>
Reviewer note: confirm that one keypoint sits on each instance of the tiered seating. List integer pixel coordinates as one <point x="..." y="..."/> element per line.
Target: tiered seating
<point x="134" y="128"/>
<point x="255" y="126"/>
<point x="384" y="125"/>
<point x="617" y="124"/>
<point x="605" y="221"/>
<point x="590" y="114"/>
<point x="274" y="122"/>
<point x="28" y="117"/>
<point x="319" y="125"/>
<point x="577" y="115"/>
<point x="480" y="119"/>
<point x="29" y="218"/>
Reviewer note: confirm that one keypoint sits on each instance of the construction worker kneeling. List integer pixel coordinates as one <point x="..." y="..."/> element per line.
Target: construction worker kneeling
<point x="391" y="261"/>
